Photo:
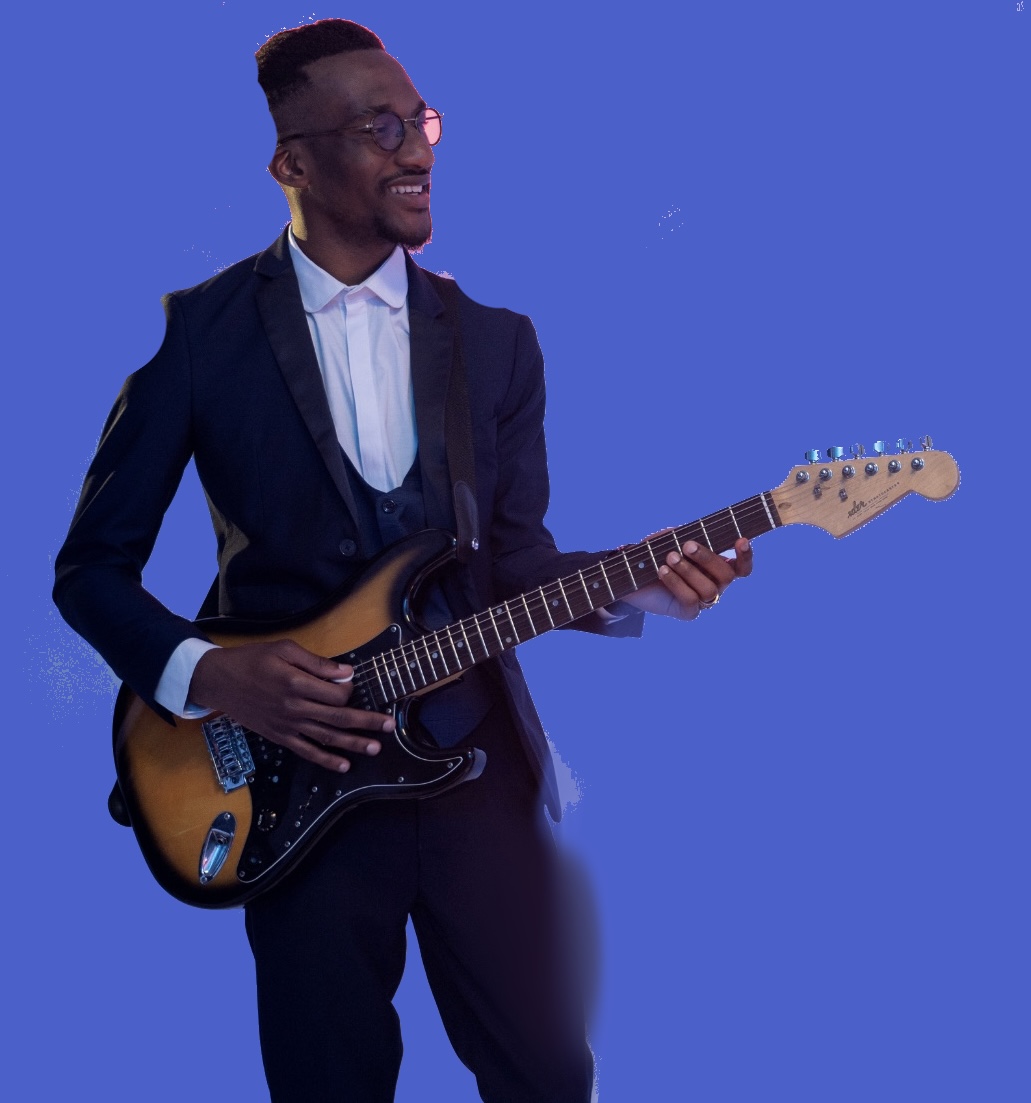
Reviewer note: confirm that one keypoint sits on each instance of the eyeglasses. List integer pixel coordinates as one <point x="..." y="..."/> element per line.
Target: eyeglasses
<point x="387" y="130"/>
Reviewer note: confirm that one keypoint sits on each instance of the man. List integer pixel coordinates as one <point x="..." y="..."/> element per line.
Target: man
<point x="311" y="385"/>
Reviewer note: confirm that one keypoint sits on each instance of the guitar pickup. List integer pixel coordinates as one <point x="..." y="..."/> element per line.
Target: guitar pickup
<point x="230" y="752"/>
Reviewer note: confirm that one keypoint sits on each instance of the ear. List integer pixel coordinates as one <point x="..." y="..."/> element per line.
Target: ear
<point x="288" y="167"/>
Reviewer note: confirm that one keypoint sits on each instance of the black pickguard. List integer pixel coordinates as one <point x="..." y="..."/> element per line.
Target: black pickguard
<point x="294" y="801"/>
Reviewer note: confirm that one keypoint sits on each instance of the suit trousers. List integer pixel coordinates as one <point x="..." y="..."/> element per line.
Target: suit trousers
<point x="476" y="869"/>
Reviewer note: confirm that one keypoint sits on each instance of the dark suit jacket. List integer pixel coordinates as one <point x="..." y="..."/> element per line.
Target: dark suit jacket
<point x="236" y="384"/>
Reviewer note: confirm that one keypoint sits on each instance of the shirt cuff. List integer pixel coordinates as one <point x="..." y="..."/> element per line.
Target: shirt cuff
<point x="174" y="684"/>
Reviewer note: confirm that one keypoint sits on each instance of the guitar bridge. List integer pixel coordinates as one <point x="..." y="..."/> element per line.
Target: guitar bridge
<point x="230" y="752"/>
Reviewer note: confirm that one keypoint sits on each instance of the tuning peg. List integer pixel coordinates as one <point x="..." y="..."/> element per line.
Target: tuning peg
<point x="879" y="447"/>
<point x="858" y="451"/>
<point x="812" y="456"/>
<point x="835" y="453"/>
<point x="926" y="443"/>
<point x="904" y="445"/>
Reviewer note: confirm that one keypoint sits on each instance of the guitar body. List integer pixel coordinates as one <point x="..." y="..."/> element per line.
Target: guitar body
<point x="219" y="848"/>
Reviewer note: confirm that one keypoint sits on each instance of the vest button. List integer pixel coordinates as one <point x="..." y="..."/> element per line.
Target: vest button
<point x="348" y="547"/>
<point x="388" y="505"/>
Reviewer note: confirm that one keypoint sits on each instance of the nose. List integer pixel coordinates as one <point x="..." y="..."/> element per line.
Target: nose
<point x="415" y="151"/>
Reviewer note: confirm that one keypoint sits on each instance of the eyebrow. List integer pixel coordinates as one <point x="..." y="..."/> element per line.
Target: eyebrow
<point x="380" y="108"/>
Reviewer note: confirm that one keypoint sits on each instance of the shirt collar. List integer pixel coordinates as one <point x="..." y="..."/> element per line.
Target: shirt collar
<point x="318" y="288"/>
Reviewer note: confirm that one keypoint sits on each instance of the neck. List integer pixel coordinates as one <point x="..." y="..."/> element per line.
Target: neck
<point x="348" y="261"/>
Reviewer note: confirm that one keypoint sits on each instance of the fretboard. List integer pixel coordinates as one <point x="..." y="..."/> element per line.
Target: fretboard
<point x="436" y="656"/>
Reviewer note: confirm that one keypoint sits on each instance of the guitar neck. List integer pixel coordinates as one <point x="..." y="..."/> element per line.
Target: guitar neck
<point x="437" y="656"/>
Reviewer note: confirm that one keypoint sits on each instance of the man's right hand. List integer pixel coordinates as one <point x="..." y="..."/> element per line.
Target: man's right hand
<point x="291" y="697"/>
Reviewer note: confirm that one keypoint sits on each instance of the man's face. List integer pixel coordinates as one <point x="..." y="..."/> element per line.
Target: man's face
<point x="370" y="195"/>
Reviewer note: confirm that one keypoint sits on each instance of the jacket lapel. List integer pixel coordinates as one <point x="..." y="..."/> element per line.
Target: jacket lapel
<point x="431" y="350"/>
<point x="282" y="315"/>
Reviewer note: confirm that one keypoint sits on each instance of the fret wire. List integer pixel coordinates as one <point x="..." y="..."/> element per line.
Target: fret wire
<point x="745" y="515"/>
<point x="418" y="663"/>
<point x="544" y="602"/>
<point x="727" y="523"/>
<point x="529" y="615"/>
<point x="677" y="538"/>
<point x="479" y="630"/>
<point x="597" y="597"/>
<point x="587" y="593"/>
<point x="767" y="508"/>
<point x="468" y="645"/>
<point x="393" y="674"/>
<point x="391" y="693"/>
<point x="494" y="625"/>
<point x="716" y="526"/>
<point x="562" y="591"/>
<point x="655" y="562"/>
<point x="508" y="613"/>
<point x="608" y="585"/>
<point x="451" y="640"/>
<point x="674" y="537"/>
<point x="408" y="666"/>
<point x="425" y="641"/>
<point x="701" y="524"/>
<point x="375" y="669"/>
<point x="630" y="571"/>
<point x="730" y="510"/>
<point x="440" y="652"/>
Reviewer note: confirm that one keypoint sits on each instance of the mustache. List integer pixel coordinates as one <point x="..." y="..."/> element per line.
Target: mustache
<point x="408" y="177"/>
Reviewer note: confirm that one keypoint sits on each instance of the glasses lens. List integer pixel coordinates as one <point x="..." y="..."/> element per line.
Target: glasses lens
<point x="430" y="124"/>
<point x="388" y="131"/>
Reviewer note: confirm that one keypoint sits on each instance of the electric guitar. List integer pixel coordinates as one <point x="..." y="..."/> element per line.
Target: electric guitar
<point x="222" y="814"/>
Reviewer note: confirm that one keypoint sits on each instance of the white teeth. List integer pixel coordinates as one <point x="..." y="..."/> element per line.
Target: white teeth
<point x="407" y="189"/>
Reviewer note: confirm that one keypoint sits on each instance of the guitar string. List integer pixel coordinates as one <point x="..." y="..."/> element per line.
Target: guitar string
<point x="742" y="512"/>
<point x="745" y="511"/>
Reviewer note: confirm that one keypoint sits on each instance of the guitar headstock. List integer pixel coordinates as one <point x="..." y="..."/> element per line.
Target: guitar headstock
<point x="838" y="494"/>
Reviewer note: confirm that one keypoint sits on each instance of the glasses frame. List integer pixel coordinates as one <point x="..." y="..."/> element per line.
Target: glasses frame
<point x="369" y="128"/>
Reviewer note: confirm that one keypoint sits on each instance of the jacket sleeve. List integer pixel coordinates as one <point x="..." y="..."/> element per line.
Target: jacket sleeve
<point x="143" y="450"/>
<point x="525" y="555"/>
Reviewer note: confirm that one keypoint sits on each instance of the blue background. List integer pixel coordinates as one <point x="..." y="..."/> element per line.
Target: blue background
<point x="743" y="230"/>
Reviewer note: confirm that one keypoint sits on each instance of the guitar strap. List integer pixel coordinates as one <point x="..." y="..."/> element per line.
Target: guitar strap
<point x="458" y="432"/>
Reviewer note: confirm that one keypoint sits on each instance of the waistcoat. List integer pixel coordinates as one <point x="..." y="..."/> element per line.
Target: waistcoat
<point x="450" y="713"/>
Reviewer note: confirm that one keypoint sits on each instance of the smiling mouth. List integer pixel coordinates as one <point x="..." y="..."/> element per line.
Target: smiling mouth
<point x="408" y="189"/>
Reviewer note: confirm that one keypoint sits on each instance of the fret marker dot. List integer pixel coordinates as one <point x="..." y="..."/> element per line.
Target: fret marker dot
<point x="640" y="565"/>
<point x="595" y="586"/>
<point x="508" y="639"/>
<point x="460" y="644"/>
<point x="554" y="602"/>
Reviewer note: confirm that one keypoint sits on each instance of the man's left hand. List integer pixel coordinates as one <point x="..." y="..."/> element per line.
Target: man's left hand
<point x="693" y="581"/>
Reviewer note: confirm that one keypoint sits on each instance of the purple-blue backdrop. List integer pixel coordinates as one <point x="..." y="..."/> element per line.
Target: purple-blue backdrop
<point x="742" y="230"/>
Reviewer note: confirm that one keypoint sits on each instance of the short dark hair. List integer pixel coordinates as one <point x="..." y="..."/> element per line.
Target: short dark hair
<point x="282" y="59"/>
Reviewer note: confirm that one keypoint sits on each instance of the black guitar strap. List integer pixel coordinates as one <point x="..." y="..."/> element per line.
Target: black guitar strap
<point x="458" y="432"/>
